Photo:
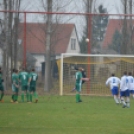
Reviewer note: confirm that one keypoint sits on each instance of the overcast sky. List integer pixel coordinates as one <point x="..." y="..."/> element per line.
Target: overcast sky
<point x="74" y="5"/>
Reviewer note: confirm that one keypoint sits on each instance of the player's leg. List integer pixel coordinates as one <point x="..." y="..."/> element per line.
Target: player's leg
<point x="127" y="98"/>
<point x="13" y="93"/>
<point x="16" y="95"/>
<point x="35" y="94"/>
<point x="78" y="90"/>
<point x="22" y="93"/>
<point x="133" y="93"/>
<point x="115" y="94"/>
<point x="30" y="94"/>
<point x="26" y="92"/>
<point x="122" y="94"/>
<point x="2" y="93"/>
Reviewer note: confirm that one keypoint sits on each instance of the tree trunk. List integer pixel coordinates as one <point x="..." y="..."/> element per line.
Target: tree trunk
<point x="124" y="30"/>
<point x="16" y="21"/>
<point x="131" y="27"/>
<point x="48" y="51"/>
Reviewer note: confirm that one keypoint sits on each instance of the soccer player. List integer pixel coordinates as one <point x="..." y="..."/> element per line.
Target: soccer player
<point x="78" y="83"/>
<point x="33" y="77"/>
<point x="1" y="87"/>
<point x="131" y="83"/>
<point x="83" y="76"/>
<point x="23" y="78"/>
<point x="15" y="86"/>
<point x="114" y="82"/>
<point x="124" y="91"/>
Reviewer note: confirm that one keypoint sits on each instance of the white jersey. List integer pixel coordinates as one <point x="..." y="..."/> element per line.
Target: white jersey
<point x="130" y="83"/>
<point x="113" y="82"/>
<point x="124" y="83"/>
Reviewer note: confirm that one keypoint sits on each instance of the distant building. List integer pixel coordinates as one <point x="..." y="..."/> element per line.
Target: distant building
<point x="64" y="39"/>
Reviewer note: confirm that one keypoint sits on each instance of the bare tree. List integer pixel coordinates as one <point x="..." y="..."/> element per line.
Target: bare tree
<point x="16" y="21"/>
<point x="48" y="40"/>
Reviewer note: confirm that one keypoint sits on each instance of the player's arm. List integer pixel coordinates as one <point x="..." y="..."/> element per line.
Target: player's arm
<point x="107" y="82"/>
<point x="122" y="83"/>
<point x="14" y="83"/>
<point x="85" y="79"/>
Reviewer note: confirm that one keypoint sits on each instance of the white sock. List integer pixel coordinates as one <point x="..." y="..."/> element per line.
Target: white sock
<point x="119" y="99"/>
<point x="116" y="99"/>
<point x="123" y="101"/>
<point x="128" y="102"/>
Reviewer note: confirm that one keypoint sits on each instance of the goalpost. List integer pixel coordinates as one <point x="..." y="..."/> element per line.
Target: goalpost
<point x="97" y="67"/>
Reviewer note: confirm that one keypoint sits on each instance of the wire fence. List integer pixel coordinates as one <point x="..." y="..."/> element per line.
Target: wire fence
<point x="107" y="34"/>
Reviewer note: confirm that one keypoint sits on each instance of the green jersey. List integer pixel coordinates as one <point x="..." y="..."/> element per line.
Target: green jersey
<point x="1" y="79"/>
<point x="23" y="77"/>
<point x="15" y="78"/>
<point x="33" y="76"/>
<point x="78" y="77"/>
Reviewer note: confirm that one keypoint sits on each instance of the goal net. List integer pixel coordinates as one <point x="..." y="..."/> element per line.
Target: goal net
<point x="97" y="67"/>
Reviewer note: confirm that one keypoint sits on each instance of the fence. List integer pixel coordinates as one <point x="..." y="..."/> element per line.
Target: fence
<point x="27" y="39"/>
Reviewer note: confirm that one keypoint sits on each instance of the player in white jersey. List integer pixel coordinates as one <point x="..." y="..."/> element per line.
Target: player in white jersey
<point x="124" y="91"/>
<point x="131" y="83"/>
<point x="114" y="83"/>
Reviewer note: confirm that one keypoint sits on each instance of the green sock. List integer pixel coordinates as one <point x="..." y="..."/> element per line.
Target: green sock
<point x="13" y="97"/>
<point x="2" y="94"/>
<point x="27" y="96"/>
<point x="35" y="95"/>
<point x="22" y="97"/>
<point x="16" y="97"/>
<point x="77" y="97"/>
<point x="31" y="97"/>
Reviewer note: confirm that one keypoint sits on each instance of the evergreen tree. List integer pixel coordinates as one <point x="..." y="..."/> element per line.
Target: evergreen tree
<point x="116" y="42"/>
<point x="99" y="26"/>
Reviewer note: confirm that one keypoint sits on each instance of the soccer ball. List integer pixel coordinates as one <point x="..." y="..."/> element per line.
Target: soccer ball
<point x="87" y="40"/>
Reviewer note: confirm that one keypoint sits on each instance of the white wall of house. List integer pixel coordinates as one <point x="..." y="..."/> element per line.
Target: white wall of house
<point x="70" y="49"/>
<point x="39" y="59"/>
<point x="73" y="46"/>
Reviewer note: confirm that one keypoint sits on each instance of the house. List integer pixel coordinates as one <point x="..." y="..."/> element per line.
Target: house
<point x="113" y="26"/>
<point x="64" y="39"/>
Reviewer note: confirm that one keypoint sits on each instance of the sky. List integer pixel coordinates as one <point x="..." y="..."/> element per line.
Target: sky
<point x="113" y="7"/>
<point x="74" y="5"/>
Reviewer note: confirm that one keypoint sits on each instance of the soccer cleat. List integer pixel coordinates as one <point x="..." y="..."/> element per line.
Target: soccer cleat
<point x="123" y="106"/>
<point x="11" y="101"/>
<point x="80" y="100"/>
<point x="36" y="100"/>
<point x="16" y="102"/>
<point x="1" y="101"/>
<point x="29" y="102"/>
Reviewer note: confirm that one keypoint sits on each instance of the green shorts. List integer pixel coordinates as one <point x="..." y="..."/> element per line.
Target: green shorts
<point x="32" y="88"/>
<point x="24" y="87"/>
<point x="78" y="87"/>
<point x="1" y="88"/>
<point x="15" y="89"/>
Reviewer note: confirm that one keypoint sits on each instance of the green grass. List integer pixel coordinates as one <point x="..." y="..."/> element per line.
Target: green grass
<point x="61" y="115"/>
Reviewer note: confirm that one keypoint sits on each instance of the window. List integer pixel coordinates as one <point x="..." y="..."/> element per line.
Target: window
<point x="73" y="44"/>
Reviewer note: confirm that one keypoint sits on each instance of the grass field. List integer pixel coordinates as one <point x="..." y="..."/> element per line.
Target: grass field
<point x="61" y="115"/>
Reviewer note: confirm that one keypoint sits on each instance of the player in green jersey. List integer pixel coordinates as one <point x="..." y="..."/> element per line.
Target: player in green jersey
<point x="1" y="87"/>
<point x="78" y="83"/>
<point x="33" y="77"/>
<point x="15" y="85"/>
<point x="23" y="78"/>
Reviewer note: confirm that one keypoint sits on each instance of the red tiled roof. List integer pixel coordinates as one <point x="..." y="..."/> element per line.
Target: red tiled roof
<point x="35" y="37"/>
<point x="113" y="25"/>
